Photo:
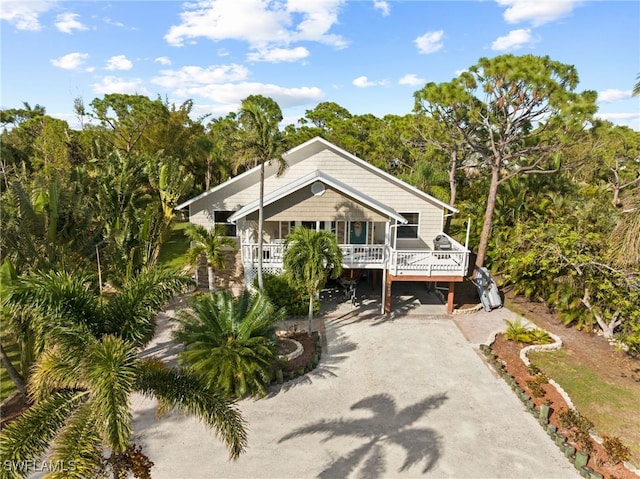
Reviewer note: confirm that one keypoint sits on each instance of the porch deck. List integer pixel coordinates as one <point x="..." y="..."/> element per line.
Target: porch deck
<point x="415" y="262"/>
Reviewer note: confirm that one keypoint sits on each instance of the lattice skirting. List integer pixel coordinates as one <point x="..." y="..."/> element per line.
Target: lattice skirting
<point x="251" y="272"/>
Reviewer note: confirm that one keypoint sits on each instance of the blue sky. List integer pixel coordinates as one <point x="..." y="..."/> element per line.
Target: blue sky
<point x="368" y="56"/>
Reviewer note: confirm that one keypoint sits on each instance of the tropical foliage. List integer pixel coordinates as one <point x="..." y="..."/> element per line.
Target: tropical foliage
<point x="210" y="244"/>
<point x="230" y="342"/>
<point x="283" y="294"/>
<point x="88" y="367"/>
<point x="100" y="198"/>
<point x="310" y="258"/>
<point x="261" y="142"/>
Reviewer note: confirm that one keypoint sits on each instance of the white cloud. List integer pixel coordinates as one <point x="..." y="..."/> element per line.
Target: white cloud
<point x="364" y="82"/>
<point x="163" y="61"/>
<point x="632" y="120"/>
<point x="257" y="22"/>
<point x="195" y="76"/>
<point x="24" y="15"/>
<point x="67" y="22"/>
<point x="70" y="61"/>
<point x="537" y="12"/>
<point x="277" y="55"/>
<point x="411" y="79"/>
<point x="383" y="6"/>
<point x="110" y="84"/>
<point x="514" y="40"/>
<point x="119" y="62"/>
<point x="430" y="42"/>
<point x="613" y="95"/>
<point x="231" y="94"/>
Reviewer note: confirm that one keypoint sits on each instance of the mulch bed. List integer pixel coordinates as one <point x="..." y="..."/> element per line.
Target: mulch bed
<point x="508" y="353"/>
<point x="309" y="347"/>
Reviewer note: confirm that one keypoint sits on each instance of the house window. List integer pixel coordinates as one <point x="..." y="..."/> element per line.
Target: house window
<point x="310" y="225"/>
<point x="410" y="229"/>
<point x="221" y="218"/>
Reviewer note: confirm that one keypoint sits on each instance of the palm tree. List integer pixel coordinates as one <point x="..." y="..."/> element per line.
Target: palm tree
<point x="81" y="383"/>
<point x="62" y="299"/>
<point x="263" y="142"/>
<point x="230" y="342"/>
<point x="310" y="257"/>
<point x="208" y="243"/>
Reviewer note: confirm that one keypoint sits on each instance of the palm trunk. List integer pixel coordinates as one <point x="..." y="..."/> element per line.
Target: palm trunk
<point x="260" y="226"/>
<point x="310" y="313"/>
<point x="212" y="278"/>
<point x="13" y="373"/>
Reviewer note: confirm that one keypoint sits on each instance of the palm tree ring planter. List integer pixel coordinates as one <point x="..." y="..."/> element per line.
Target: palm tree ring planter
<point x="289" y="349"/>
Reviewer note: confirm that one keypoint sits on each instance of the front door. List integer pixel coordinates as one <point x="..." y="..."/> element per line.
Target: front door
<point x="358" y="232"/>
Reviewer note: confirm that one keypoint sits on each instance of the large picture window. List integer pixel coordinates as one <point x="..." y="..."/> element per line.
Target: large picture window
<point x="410" y="229"/>
<point x="222" y="218"/>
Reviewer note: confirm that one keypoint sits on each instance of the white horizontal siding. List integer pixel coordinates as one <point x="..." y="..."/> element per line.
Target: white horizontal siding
<point x="342" y="169"/>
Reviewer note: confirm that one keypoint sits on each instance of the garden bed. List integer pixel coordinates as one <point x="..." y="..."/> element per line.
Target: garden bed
<point x="507" y="360"/>
<point x="303" y="363"/>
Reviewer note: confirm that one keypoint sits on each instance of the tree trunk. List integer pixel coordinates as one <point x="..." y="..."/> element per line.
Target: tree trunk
<point x="488" y="217"/>
<point x="212" y="278"/>
<point x="609" y="328"/>
<point x="13" y="373"/>
<point x="260" y="226"/>
<point x="310" y="313"/>
<point x="453" y="187"/>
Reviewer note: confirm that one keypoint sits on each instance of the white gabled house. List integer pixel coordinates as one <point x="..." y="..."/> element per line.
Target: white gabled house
<point x="382" y="224"/>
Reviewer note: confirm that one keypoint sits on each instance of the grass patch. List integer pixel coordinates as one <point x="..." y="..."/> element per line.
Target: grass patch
<point x="613" y="409"/>
<point x="173" y="250"/>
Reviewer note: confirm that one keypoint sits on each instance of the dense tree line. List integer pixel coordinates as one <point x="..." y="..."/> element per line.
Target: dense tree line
<point x="553" y="194"/>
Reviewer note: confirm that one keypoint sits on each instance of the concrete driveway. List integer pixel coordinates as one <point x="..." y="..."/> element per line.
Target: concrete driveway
<point x="391" y="398"/>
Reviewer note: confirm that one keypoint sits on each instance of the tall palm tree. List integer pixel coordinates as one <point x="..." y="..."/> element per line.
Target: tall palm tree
<point x="262" y="141"/>
<point x="209" y="243"/>
<point x="230" y="342"/>
<point x="310" y="258"/>
<point x="82" y="382"/>
<point x="81" y="391"/>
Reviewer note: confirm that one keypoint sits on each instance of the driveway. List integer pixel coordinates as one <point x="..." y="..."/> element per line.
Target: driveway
<point x="392" y="398"/>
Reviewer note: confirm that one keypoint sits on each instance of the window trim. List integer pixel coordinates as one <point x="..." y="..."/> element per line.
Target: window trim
<point x="414" y="226"/>
<point x="228" y="225"/>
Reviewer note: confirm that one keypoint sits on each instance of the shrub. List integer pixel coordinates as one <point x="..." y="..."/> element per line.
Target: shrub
<point x="516" y="331"/>
<point x="539" y="336"/>
<point x="535" y="385"/>
<point x="282" y="295"/>
<point x="578" y="428"/>
<point x="616" y="451"/>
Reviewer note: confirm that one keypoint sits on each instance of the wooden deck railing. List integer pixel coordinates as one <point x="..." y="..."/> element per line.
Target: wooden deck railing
<point x="417" y="262"/>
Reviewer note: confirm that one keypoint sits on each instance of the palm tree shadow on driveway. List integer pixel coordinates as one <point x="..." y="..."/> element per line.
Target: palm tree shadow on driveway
<point x="386" y="427"/>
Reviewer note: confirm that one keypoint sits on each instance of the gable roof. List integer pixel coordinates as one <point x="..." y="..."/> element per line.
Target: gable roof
<point x="312" y="178"/>
<point x="311" y="147"/>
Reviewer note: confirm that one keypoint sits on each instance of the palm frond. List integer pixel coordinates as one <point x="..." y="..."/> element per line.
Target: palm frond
<point x="185" y="391"/>
<point x="111" y="369"/>
<point x="132" y="312"/>
<point x="57" y="299"/>
<point x="28" y="437"/>
<point x="78" y="448"/>
<point x="53" y="371"/>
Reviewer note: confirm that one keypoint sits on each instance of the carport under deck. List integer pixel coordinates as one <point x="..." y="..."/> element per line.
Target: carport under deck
<point x="393" y="265"/>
